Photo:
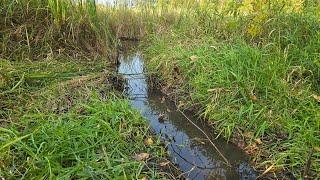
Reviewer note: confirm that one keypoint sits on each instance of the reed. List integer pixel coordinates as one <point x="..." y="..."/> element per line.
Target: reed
<point x="36" y="29"/>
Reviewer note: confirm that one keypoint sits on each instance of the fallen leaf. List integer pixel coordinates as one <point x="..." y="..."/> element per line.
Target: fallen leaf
<point x="267" y="170"/>
<point x="317" y="149"/>
<point x="253" y="97"/>
<point x="316" y="97"/>
<point x="258" y="141"/>
<point x="216" y="90"/>
<point x="199" y="140"/>
<point x="148" y="141"/>
<point x="181" y="104"/>
<point x="214" y="47"/>
<point x="165" y="163"/>
<point x="251" y="149"/>
<point x="270" y="113"/>
<point x="144" y="178"/>
<point x="141" y="156"/>
<point x="248" y="134"/>
<point x="193" y="58"/>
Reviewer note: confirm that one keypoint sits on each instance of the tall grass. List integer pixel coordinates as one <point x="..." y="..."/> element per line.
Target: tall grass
<point x="59" y="115"/>
<point x="37" y="29"/>
<point x="252" y="69"/>
<point x="45" y="42"/>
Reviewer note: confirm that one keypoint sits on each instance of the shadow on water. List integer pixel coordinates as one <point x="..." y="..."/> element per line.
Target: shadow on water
<point x="187" y="146"/>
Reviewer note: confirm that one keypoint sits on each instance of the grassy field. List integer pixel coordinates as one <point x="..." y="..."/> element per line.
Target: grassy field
<point x="252" y="70"/>
<point x="60" y="115"/>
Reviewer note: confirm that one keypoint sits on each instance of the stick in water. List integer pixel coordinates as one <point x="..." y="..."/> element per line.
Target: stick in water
<point x="215" y="147"/>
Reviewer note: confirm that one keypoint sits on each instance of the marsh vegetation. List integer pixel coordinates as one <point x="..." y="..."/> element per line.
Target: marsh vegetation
<point x="251" y="69"/>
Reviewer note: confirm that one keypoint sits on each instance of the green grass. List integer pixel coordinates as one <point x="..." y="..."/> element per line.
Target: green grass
<point x="64" y="120"/>
<point x="21" y="82"/>
<point x="251" y="68"/>
<point x="251" y="87"/>
<point x="97" y="139"/>
<point x="60" y="114"/>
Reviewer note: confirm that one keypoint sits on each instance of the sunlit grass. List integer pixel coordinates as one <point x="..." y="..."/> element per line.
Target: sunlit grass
<point x="250" y="67"/>
<point x="97" y="139"/>
<point x="38" y="29"/>
<point x="257" y="86"/>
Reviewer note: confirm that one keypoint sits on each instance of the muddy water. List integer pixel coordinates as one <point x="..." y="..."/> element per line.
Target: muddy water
<point x="187" y="146"/>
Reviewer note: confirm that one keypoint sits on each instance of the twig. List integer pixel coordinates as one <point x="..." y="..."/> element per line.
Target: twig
<point x="215" y="147"/>
<point x="187" y="171"/>
<point x="191" y="163"/>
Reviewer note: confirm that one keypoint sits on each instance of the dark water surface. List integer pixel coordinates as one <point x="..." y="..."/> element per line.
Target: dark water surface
<point x="187" y="146"/>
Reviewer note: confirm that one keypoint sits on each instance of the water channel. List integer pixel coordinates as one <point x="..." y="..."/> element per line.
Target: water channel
<point x="187" y="146"/>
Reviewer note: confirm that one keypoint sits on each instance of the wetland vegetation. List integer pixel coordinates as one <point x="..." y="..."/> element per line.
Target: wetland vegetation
<point x="250" y="69"/>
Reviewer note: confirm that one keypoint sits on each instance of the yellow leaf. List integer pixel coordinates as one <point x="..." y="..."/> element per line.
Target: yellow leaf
<point x="316" y="97"/>
<point x="148" y="141"/>
<point x="258" y="141"/>
<point x="253" y="97"/>
<point x="193" y="58"/>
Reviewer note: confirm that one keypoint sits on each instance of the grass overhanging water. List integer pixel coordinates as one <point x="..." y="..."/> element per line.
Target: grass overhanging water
<point x="251" y="68"/>
<point x="60" y="114"/>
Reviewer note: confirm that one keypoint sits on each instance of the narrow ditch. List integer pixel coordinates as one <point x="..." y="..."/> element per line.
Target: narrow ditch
<point x="188" y="147"/>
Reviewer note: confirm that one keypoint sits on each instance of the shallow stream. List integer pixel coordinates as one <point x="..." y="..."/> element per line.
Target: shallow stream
<point x="187" y="146"/>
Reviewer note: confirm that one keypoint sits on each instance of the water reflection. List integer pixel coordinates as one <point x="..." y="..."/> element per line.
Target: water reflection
<point x="187" y="146"/>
